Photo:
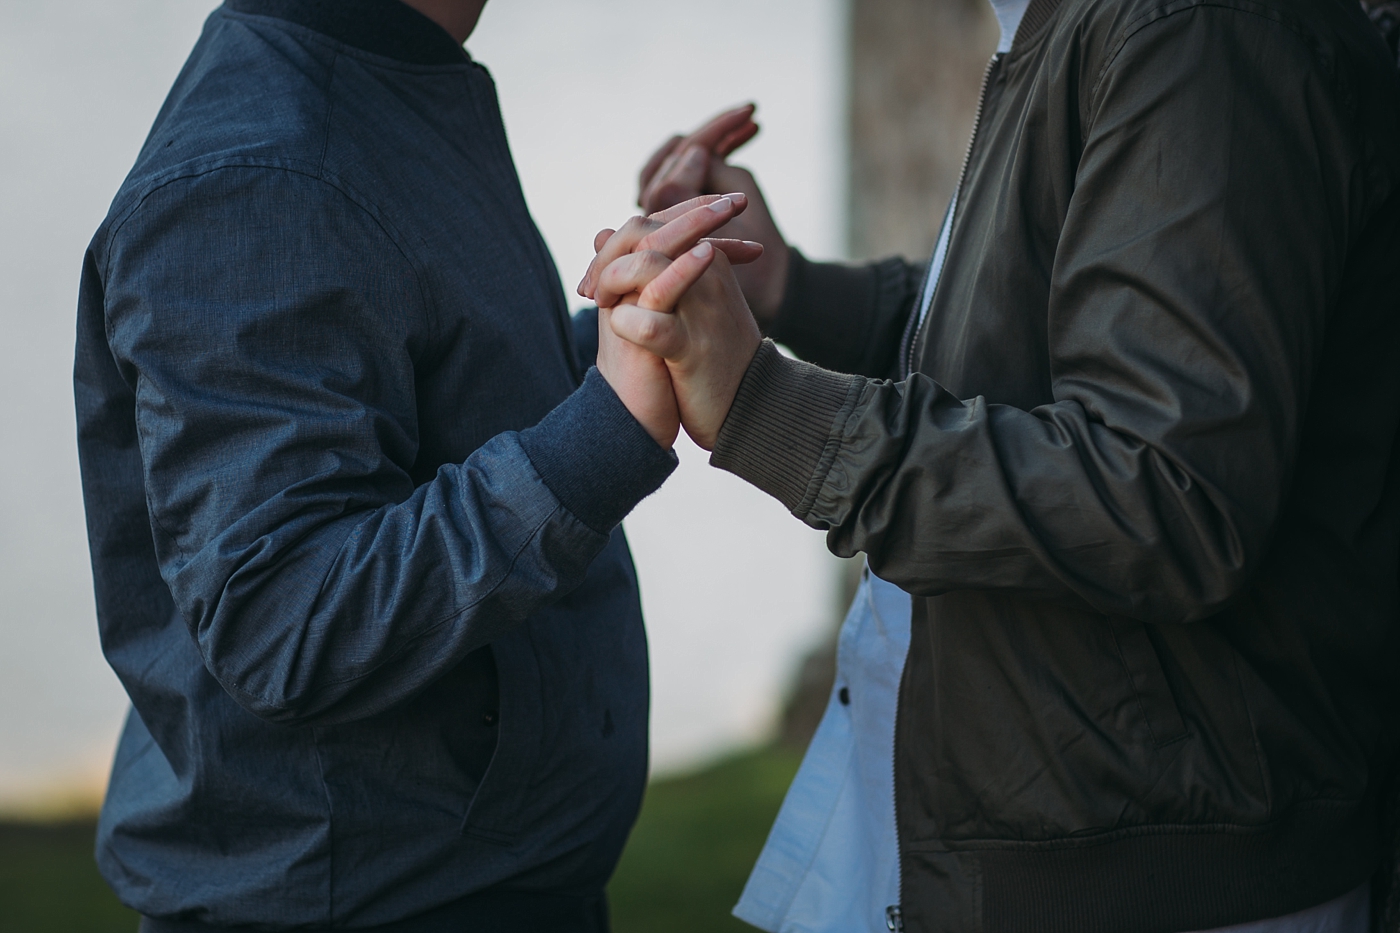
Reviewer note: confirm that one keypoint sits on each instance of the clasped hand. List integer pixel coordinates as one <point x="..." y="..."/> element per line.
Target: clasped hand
<point x="676" y="334"/>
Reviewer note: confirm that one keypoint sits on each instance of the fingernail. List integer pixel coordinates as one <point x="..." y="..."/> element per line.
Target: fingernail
<point x="753" y="243"/>
<point x="701" y="251"/>
<point x="723" y="204"/>
<point x="736" y="196"/>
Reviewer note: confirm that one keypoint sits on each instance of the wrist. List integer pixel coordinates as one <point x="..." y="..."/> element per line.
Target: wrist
<point x="654" y="412"/>
<point x="772" y="291"/>
<point x="595" y="457"/>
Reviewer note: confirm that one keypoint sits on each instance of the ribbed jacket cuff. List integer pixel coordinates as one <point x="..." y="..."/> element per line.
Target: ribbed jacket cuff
<point x="595" y="457"/>
<point x="784" y="425"/>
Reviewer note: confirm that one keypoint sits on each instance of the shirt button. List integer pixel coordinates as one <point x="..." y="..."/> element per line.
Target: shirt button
<point x="844" y="696"/>
<point x="489" y="717"/>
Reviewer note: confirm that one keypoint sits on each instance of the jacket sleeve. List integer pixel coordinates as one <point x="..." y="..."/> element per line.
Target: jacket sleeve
<point x="1201" y="251"/>
<point x="269" y="330"/>
<point x="847" y="318"/>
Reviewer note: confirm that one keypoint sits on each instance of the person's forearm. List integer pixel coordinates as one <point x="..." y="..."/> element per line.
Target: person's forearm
<point x="283" y="438"/>
<point x="846" y="318"/>
<point x="314" y="622"/>
<point x="943" y="494"/>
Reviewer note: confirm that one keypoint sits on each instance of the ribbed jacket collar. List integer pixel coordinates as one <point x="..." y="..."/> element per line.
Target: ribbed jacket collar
<point x="1038" y="12"/>
<point x="383" y="27"/>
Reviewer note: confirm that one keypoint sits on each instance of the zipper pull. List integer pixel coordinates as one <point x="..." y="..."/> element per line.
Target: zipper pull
<point x="894" y="919"/>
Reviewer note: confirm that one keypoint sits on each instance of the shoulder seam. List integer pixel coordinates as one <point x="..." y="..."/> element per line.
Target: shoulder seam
<point x="291" y="167"/>
<point x="330" y="111"/>
<point x="1163" y="12"/>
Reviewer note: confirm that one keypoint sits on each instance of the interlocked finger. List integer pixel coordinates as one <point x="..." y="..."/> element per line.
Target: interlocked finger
<point x="658" y="280"/>
<point x="667" y="288"/>
<point x="628" y="275"/>
<point x="678" y="235"/>
<point x="671" y="232"/>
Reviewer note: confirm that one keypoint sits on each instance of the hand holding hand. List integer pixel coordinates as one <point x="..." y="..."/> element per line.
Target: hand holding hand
<point x="641" y="380"/>
<point x="707" y="342"/>
<point x="686" y="167"/>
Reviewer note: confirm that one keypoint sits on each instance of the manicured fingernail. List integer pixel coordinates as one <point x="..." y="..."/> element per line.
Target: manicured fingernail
<point x="753" y="243"/>
<point x="723" y="204"/>
<point x="702" y="251"/>
<point x="736" y="196"/>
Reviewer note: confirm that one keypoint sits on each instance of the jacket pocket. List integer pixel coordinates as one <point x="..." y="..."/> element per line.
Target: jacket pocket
<point x="1149" y="682"/>
<point x="497" y="812"/>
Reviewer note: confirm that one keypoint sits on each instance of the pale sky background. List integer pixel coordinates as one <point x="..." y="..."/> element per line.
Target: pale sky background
<point x="734" y="588"/>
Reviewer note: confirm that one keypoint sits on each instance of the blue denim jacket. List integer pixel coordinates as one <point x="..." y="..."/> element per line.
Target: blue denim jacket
<point x="336" y="439"/>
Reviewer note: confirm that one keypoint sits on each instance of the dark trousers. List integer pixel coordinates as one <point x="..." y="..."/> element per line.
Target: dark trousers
<point x="484" y="912"/>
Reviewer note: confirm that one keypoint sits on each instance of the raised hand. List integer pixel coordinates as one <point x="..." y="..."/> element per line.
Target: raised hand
<point x="707" y="341"/>
<point x="686" y="167"/>
<point x="677" y="171"/>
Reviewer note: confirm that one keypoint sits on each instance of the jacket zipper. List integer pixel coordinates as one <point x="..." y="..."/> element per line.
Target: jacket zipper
<point x="894" y="914"/>
<point x="957" y="195"/>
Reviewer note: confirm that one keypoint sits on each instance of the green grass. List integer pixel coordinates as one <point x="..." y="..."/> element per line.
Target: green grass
<point x="687" y="860"/>
<point x="49" y="883"/>
<point x="695" y="842"/>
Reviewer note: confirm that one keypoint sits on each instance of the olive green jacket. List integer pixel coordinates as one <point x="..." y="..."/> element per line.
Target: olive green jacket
<point x="1143" y="482"/>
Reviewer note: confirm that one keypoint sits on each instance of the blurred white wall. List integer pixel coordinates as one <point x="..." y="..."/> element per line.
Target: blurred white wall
<point x="733" y="587"/>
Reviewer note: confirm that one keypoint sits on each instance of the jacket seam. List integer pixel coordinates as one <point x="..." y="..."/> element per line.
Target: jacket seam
<point x="166" y="179"/>
<point x="330" y="827"/>
<point x="1163" y="13"/>
<point x="330" y="111"/>
<point x="1264" y="784"/>
<point x="291" y="167"/>
<point x="1089" y="840"/>
<point x="1137" y="691"/>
